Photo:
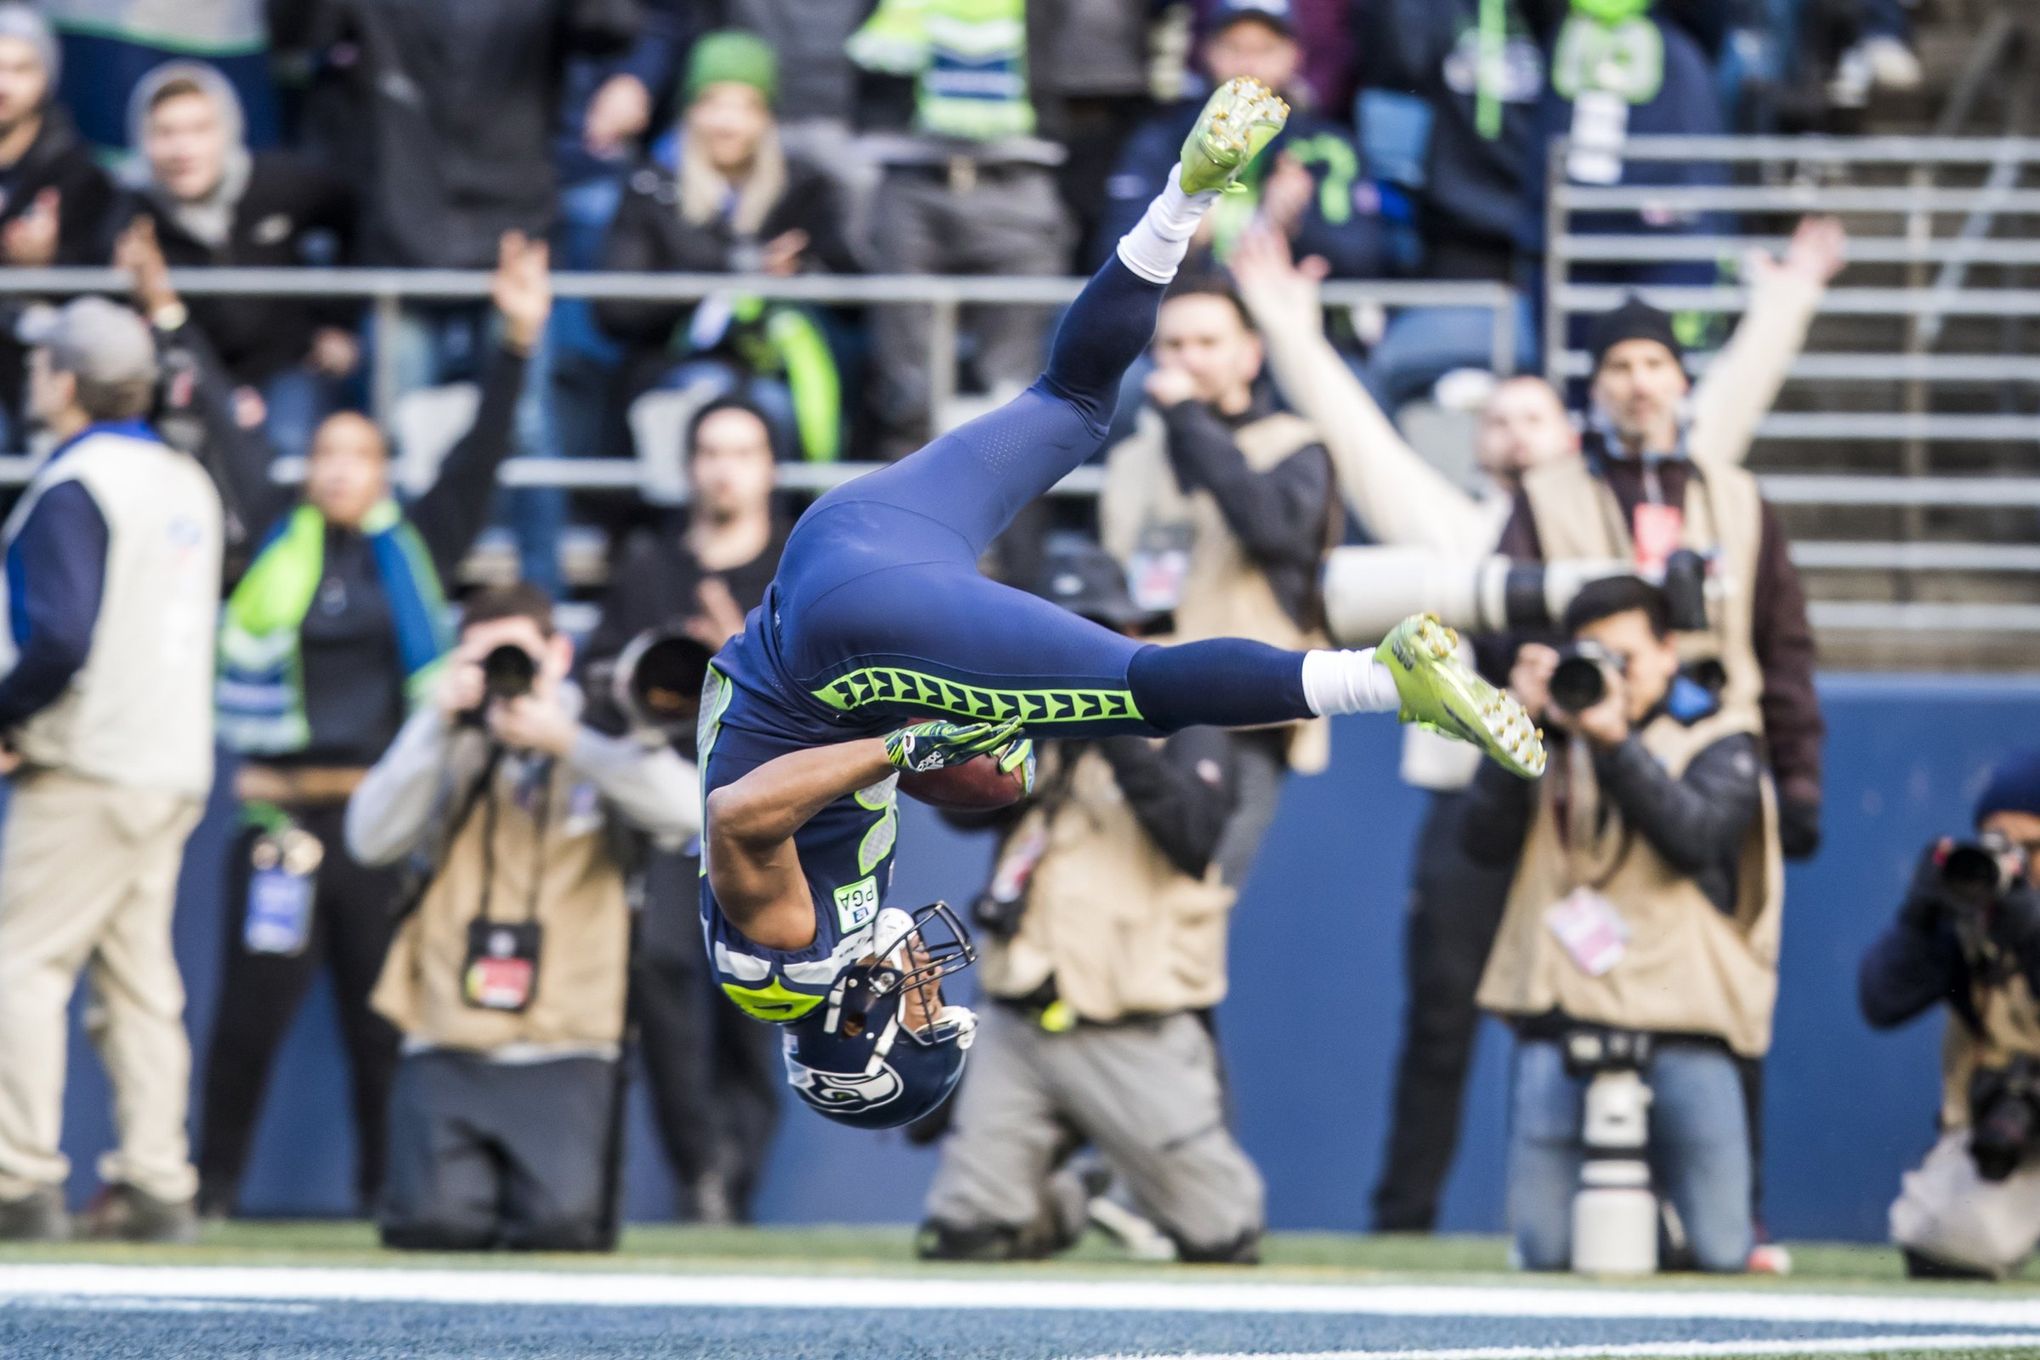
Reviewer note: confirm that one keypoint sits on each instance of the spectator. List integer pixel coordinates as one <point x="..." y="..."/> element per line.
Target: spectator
<point x="453" y="107"/>
<point x="1220" y="507"/>
<point x="1313" y="188"/>
<point x="215" y="203"/>
<point x="1657" y="481"/>
<point x="110" y="48"/>
<point x="720" y="196"/>
<point x="1090" y="62"/>
<point x="1646" y="899"/>
<point x="715" y="1077"/>
<point x="56" y="206"/>
<point x="334" y="632"/>
<point x="1968" y="935"/>
<point x="817" y="100"/>
<point x="1103" y="937"/>
<point x="507" y="978"/>
<point x="1448" y="122"/>
<point x="1621" y="70"/>
<point x="969" y="190"/>
<point x="112" y="572"/>
<point x="1329" y="32"/>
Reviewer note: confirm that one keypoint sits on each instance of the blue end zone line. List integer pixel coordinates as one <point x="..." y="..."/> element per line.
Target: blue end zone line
<point x="28" y="1282"/>
<point x="1670" y="1350"/>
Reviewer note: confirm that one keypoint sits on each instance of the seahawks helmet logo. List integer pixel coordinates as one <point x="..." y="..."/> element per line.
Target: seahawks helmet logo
<point x="844" y="1090"/>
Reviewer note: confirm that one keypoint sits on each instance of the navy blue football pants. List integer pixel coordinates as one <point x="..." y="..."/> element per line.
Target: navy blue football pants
<point x="884" y="614"/>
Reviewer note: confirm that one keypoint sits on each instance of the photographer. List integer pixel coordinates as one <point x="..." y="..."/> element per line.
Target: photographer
<point x="714" y="1076"/>
<point x="1968" y="934"/>
<point x="1646" y="900"/>
<point x="507" y="977"/>
<point x="1103" y="937"/>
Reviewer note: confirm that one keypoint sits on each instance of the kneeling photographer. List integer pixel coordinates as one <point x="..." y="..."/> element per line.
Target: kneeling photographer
<point x="1968" y="934"/>
<point x="1102" y="949"/>
<point x="507" y="976"/>
<point x="1639" y="941"/>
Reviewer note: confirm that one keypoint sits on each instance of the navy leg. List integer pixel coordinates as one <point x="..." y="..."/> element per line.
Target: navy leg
<point x="977" y="477"/>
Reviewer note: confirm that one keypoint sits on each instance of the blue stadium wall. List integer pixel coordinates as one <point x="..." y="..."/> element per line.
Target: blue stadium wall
<point x="1311" y="1028"/>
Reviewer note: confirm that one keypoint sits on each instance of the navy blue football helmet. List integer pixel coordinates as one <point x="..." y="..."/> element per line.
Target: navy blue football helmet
<point x="855" y="1059"/>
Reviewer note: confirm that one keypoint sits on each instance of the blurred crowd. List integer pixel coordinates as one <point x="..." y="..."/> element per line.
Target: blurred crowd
<point x="487" y="835"/>
<point x="779" y="137"/>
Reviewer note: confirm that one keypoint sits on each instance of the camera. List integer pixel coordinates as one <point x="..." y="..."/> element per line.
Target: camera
<point x="657" y="681"/>
<point x="652" y="687"/>
<point x="1369" y="590"/>
<point x="508" y="672"/>
<point x="1979" y="872"/>
<point x="1581" y="678"/>
<point x="2004" y="1116"/>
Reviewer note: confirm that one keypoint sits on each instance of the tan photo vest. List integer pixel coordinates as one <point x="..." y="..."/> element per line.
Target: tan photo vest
<point x="1578" y="516"/>
<point x="1224" y="593"/>
<point x="1687" y="968"/>
<point x="1120" y="928"/>
<point x="581" y="907"/>
<point x="2010" y="1027"/>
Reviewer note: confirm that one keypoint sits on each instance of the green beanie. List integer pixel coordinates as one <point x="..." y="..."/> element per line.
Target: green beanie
<point x="732" y="56"/>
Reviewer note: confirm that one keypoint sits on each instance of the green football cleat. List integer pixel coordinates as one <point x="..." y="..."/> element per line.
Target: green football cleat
<point x="1440" y="693"/>
<point x="1241" y="117"/>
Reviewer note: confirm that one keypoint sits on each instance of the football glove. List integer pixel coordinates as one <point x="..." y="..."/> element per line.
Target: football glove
<point x="936" y="745"/>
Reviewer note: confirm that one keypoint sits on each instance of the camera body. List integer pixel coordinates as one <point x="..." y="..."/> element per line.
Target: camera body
<point x="508" y="672"/>
<point x="1581" y="678"/>
<point x="1977" y="873"/>
<point x="2004" y="1116"/>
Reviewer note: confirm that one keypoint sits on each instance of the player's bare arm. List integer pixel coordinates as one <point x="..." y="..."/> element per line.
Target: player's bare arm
<point x="753" y="865"/>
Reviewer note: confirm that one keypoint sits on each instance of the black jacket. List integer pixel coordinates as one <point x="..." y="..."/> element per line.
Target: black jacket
<point x="1939" y="951"/>
<point x="1283" y="517"/>
<point x="293" y="212"/>
<point x="1696" y="822"/>
<point x="88" y="211"/>
<point x="456" y="102"/>
<point x="654" y="584"/>
<point x="650" y="235"/>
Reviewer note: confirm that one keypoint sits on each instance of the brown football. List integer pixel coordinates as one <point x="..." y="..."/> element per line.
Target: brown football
<point x="974" y="786"/>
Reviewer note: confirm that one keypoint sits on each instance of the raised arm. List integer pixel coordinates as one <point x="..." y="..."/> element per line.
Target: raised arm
<point x="753" y="866"/>
<point x="1391" y="489"/>
<point x="452" y="512"/>
<point x="1743" y="382"/>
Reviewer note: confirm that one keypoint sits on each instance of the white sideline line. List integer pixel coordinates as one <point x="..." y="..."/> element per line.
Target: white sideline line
<point x="1671" y="1350"/>
<point x="648" y="1290"/>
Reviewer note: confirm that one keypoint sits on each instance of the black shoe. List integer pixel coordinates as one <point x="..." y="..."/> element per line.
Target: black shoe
<point x="123" y="1213"/>
<point x="36" y="1217"/>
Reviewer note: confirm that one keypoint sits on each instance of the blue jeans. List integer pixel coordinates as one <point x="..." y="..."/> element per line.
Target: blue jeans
<point x="1699" y="1152"/>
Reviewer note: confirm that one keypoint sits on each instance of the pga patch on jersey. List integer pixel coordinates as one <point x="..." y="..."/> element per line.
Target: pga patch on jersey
<point x="857" y="904"/>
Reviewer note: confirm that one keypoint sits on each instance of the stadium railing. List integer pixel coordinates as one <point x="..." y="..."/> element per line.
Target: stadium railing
<point x="1902" y="453"/>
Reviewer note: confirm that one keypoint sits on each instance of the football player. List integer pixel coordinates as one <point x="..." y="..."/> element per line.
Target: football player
<point x="880" y="649"/>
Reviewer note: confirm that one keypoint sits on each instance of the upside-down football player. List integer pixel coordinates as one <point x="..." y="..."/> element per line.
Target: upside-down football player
<point x="880" y="654"/>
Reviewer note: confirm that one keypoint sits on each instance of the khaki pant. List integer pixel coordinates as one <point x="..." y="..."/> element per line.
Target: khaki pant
<point x="88" y="878"/>
<point x="1946" y="1212"/>
<point x="1146" y="1094"/>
